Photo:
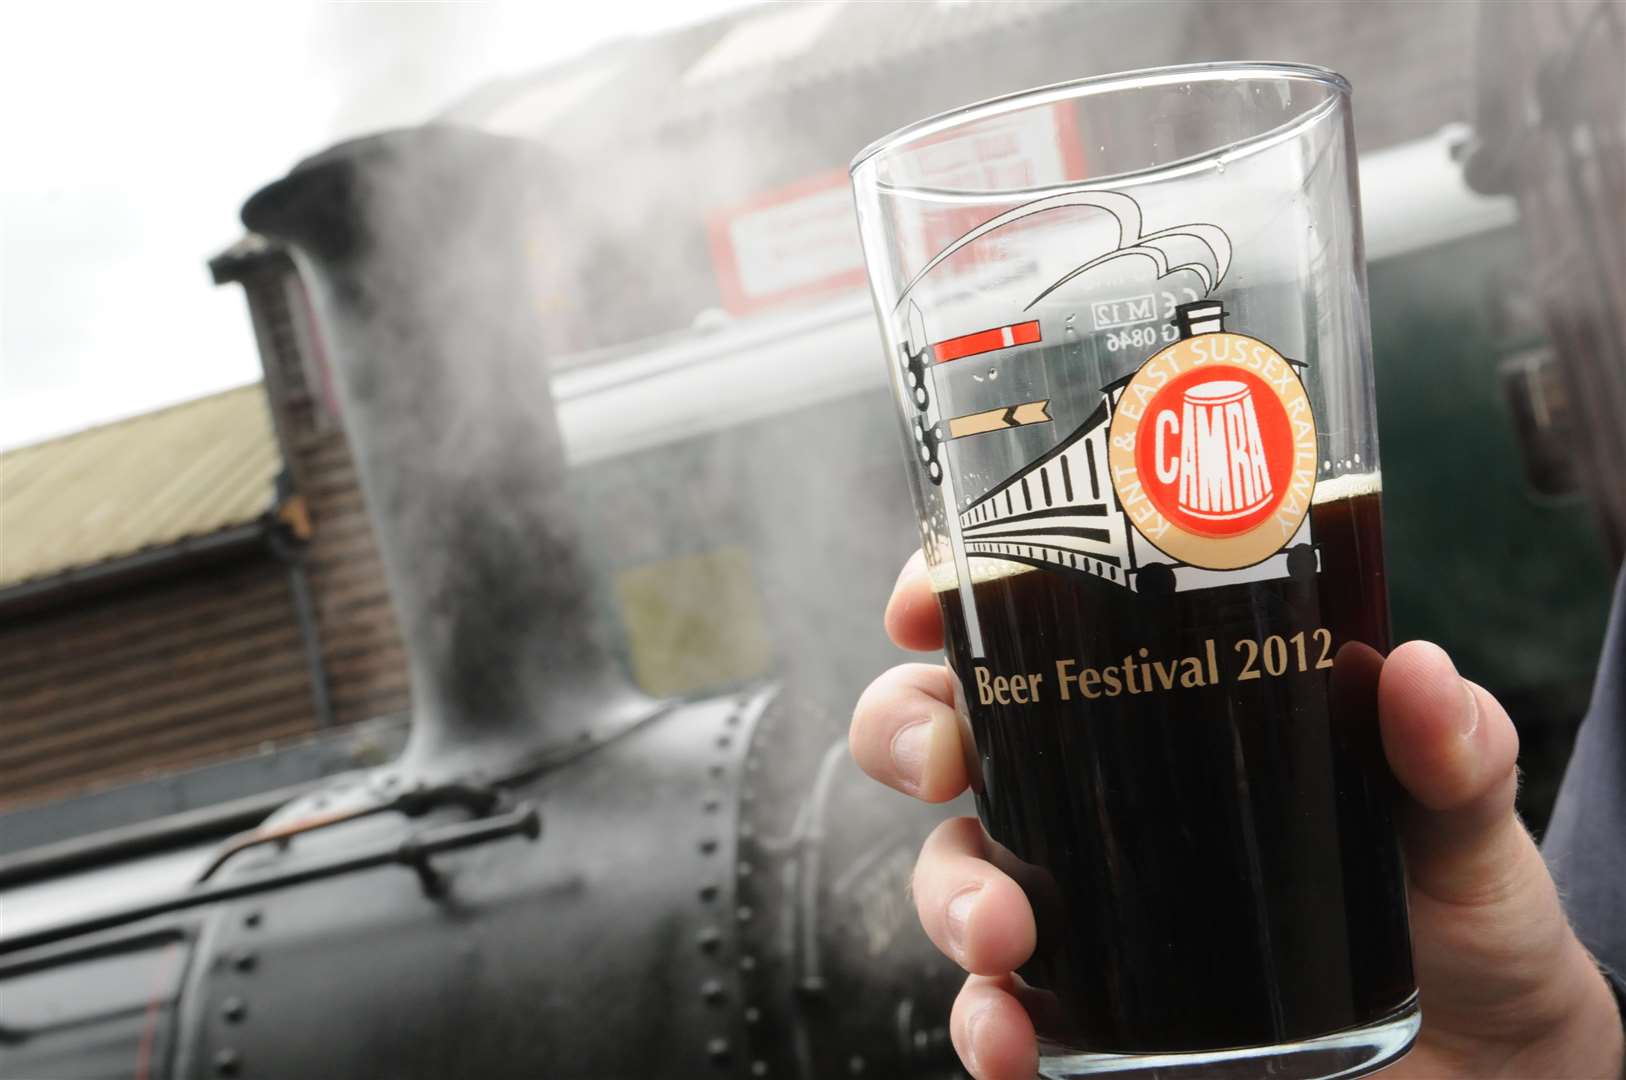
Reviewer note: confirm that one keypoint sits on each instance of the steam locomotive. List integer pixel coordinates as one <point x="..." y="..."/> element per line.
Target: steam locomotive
<point x="561" y="876"/>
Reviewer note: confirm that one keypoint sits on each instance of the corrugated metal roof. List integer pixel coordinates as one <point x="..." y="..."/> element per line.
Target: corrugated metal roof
<point x="110" y="491"/>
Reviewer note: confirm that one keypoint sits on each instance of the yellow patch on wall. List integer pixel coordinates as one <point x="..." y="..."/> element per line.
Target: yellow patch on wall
<point x="694" y="622"/>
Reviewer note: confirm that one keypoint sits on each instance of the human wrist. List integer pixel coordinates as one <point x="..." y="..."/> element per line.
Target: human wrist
<point x="1614" y="1010"/>
<point x="1570" y="1027"/>
<point x="1591" y="1041"/>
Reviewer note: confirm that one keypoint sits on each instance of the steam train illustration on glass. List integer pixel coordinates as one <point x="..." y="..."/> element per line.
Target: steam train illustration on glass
<point x="1061" y="511"/>
<point x="1065" y="511"/>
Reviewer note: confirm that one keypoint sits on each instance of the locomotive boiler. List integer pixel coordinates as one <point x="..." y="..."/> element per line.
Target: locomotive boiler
<point x="562" y="875"/>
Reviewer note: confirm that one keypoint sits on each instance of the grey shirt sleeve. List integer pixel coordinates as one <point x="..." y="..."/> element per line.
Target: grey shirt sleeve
<point x="1585" y="846"/>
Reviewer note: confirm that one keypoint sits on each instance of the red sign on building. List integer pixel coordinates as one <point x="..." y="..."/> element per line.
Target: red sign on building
<point x="801" y="241"/>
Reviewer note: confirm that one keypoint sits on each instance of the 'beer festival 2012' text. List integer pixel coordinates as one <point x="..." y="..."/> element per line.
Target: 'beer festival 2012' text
<point x="1139" y="673"/>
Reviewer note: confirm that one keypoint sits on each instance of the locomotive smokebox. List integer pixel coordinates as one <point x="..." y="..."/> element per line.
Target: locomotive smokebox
<point x="414" y="245"/>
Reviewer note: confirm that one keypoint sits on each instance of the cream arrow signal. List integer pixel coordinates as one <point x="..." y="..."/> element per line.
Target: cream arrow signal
<point x="1013" y="416"/>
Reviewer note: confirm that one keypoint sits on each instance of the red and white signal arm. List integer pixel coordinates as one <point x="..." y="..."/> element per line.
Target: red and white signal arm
<point x="800" y="241"/>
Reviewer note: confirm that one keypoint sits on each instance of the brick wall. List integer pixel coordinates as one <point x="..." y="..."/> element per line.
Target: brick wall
<point x="361" y="645"/>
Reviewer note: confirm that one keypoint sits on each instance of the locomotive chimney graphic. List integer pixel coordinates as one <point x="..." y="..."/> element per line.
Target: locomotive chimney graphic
<point x="425" y="293"/>
<point x="1200" y="317"/>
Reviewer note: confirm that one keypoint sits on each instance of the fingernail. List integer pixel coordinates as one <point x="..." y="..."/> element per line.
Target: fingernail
<point x="959" y="915"/>
<point x="911" y="746"/>
<point x="971" y="1026"/>
<point x="1470" y="721"/>
<point x="909" y="570"/>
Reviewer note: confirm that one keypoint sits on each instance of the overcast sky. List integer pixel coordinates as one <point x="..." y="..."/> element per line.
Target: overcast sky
<point x="133" y="132"/>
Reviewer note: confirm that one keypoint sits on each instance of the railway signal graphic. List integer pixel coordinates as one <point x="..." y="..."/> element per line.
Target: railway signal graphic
<point x="1000" y="337"/>
<point x="1012" y="416"/>
<point x="932" y="433"/>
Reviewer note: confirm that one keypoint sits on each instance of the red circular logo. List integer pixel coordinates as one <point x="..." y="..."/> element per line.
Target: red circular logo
<point x="1215" y="452"/>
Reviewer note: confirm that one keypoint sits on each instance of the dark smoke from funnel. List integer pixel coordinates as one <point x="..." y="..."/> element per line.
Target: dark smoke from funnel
<point x="429" y="302"/>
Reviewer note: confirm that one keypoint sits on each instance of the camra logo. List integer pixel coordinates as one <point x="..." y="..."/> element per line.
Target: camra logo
<point x="1212" y="447"/>
<point x="1212" y="465"/>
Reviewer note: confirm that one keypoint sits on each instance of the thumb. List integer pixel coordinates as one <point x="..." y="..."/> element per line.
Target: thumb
<point x="1496" y="960"/>
<point x="1454" y="750"/>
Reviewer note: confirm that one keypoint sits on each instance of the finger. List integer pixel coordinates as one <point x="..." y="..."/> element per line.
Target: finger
<point x="974" y="913"/>
<point x="992" y="1032"/>
<point x="913" y="619"/>
<point x="905" y="733"/>
<point x="1454" y="750"/>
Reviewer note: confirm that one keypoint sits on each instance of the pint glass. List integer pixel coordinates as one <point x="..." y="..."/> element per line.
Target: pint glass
<point x="1125" y="323"/>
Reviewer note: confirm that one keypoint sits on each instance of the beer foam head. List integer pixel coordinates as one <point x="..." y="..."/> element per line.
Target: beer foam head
<point x="983" y="569"/>
<point x="1347" y="486"/>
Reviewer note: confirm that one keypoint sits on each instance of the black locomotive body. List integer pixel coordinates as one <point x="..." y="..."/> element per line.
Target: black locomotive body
<point x="697" y="902"/>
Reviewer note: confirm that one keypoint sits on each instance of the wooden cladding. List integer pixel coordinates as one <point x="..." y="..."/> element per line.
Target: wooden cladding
<point x="208" y="664"/>
<point x="172" y="673"/>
